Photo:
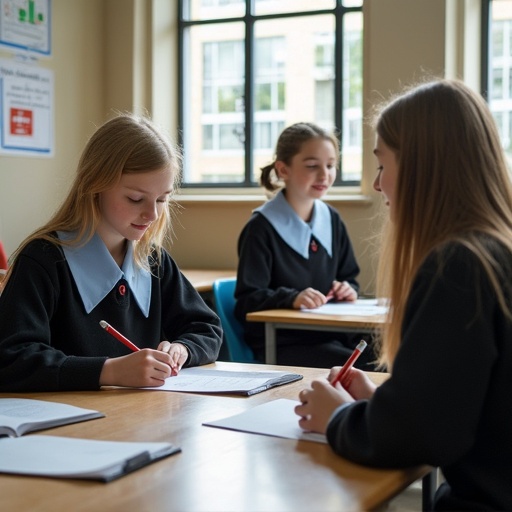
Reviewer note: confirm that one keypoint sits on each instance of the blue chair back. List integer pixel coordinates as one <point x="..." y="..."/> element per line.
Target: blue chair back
<point x="237" y="349"/>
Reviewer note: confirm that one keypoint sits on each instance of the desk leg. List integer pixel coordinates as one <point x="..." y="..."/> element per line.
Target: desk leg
<point x="428" y="490"/>
<point x="270" y="343"/>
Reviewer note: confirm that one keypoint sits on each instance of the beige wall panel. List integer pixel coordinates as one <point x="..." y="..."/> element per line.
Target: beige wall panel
<point x="32" y="187"/>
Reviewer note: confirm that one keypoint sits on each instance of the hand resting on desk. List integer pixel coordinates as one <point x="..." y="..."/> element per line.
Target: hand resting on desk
<point x="178" y="353"/>
<point x="311" y="298"/>
<point x="341" y="292"/>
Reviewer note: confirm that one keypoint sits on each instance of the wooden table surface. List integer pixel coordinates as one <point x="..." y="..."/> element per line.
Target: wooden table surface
<point x="203" y="279"/>
<point x="218" y="470"/>
<point x="296" y="319"/>
<point x="319" y="320"/>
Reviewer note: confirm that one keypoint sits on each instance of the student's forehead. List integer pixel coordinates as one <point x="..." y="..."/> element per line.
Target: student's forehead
<point x="315" y="147"/>
<point x="377" y="143"/>
<point x="379" y="147"/>
<point x="161" y="179"/>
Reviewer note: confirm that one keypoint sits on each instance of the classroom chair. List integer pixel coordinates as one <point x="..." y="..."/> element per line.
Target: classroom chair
<point x="237" y="349"/>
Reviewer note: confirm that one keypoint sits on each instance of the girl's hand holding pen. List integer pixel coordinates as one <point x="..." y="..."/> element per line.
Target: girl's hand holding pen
<point x="309" y="299"/>
<point x="341" y="291"/>
<point x="318" y="403"/>
<point x="356" y="382"/>
<point x="144" y="368"/>
<point x="178" y="353"/>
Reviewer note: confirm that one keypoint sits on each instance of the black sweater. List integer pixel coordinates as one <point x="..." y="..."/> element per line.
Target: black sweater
<point x="271" y="274"/>
<point x="48" y="342"/>
<point x="448" y="401"/>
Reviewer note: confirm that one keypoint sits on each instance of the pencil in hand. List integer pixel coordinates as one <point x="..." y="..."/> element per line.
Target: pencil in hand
<point x="350" y="362"/>
<point x="118" y="336"/>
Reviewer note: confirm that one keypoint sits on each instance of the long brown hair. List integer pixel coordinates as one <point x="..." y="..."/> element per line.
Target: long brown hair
<point x="125" y="144"/>
<point x="452" y="185"/>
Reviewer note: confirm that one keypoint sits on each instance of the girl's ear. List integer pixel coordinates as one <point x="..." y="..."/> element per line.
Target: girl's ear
<point x="281" y="170"/>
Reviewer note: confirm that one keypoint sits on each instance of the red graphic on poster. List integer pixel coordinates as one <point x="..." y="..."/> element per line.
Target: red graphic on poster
<point x="21" y="121"/>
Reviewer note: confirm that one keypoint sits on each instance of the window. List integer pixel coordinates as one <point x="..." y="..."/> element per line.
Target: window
<point x="497" y="66"/>
<point x="247" y="74"/>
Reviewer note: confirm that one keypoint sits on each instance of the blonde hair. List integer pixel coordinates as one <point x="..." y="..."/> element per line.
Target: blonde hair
<point x="127" y="144"/>
<point x="289" y="144"/>
<point x="452" y="185"/>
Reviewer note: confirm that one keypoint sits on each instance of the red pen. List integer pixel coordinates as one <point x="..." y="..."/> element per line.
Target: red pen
<point x="330" y="294"/>
<point x="118" y="336"/>
<point x="350" y="362"/>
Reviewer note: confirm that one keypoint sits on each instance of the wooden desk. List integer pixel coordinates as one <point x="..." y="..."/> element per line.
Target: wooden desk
<point x="218" y="470"/>
<point x="295" y="319"/>
<point x="203" y="279"/>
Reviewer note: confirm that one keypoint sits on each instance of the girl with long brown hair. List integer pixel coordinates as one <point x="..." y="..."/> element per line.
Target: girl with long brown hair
<point x="446" y="268"/>
<point x="100" y="258"/>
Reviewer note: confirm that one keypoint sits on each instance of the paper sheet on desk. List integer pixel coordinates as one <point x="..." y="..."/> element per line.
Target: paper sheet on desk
<point x="199" y="380"/>
<point x="361" y="307"/>
<point x="275" y="418"/>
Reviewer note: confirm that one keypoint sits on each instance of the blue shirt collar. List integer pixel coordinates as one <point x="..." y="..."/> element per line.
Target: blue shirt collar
<point x="96" y="273"/>
<point x="293" y="230"/>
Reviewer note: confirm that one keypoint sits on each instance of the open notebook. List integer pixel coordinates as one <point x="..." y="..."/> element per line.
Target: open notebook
<point x="21" y="415"/>
<point x="63" y="457"/>
<point x="201" y="380"/>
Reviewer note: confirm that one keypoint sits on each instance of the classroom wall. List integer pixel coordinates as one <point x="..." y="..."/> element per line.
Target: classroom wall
<point x="118" y="55"/>
<point x="31" y="187"/>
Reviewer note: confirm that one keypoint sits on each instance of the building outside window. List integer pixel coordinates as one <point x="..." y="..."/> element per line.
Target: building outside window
<point x="498" y="81"/>
<point x="245" y="76"/>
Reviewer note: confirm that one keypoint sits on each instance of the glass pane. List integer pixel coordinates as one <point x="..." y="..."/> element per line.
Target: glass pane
<point x="352" y="132"/>
<point x="214" y="104"/>
<point x="212" y="9"/>
<point x="294" y="78"/>
<point x="497" y="38"/>
<point x="500" y="70"/>
<point x="352" y="3"/>
<point x="507" y="143"/>
<point x="281" y="6"/>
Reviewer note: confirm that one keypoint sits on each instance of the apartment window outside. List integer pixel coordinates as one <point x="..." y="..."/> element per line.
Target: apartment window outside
<point x="247" y="74"/>
<point x="497" y="66"/>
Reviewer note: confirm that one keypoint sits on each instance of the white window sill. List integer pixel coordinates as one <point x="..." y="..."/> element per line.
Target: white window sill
<point x="347" y="195"/>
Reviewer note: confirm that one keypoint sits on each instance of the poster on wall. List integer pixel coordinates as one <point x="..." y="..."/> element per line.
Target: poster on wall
<point x="26" y="109"/>
<point x="26" y="25"/>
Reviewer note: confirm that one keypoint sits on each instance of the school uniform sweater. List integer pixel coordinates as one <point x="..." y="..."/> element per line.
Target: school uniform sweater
<point x="271" y="274"/>
<point x="448" y="401"/>
<point x="49" y="342"/>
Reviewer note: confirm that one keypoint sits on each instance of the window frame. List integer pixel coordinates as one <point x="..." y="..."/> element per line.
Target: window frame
<point x="485" y="59"/>
<point x="249" y="20"/>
